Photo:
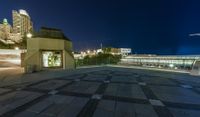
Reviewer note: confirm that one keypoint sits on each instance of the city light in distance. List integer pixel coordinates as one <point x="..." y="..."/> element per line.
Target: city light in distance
<point x="16" y="48"/>
<point x="194" y="34"/>
<point x="29" y="35"/>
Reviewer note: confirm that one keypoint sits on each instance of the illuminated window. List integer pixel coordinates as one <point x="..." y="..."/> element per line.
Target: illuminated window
<point x="52" y="58"/>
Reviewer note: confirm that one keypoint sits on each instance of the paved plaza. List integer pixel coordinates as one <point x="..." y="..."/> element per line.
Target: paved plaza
<point x="104" y="92"/>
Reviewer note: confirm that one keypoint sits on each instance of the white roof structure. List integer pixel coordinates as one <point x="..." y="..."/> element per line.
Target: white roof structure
<point x="23" y="12"/>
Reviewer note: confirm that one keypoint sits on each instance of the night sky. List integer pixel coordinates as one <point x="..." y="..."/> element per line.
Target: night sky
<point x="146" y="26"/>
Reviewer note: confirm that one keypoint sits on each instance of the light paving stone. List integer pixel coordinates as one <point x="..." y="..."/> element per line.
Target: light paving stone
<point x="176" y="94"/>
<point x="82" y="87"/>
<point x="156" y="102"/>
<point x="184" y="112"/>
<point x="187" y="86"/>
<point x="53" y="92"/>
<point x="106" y="81"/>
<point x="15" y="99"/>
<point x="97" y="96"/>
<point x="51" y="84"/>
<point x="142" y="83"/>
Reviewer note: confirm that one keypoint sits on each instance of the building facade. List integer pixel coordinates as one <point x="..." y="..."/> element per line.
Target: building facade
<point x="22" y="23"/>
<point x="48" y="49"/>
<point x="125" y="51"/>
<point x="6" y="34"/>
<point x="5" y="29"/>
<point x="167" y="61"/>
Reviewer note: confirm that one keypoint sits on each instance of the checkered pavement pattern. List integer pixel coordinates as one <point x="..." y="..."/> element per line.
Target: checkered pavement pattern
<point x="104" y="93"/>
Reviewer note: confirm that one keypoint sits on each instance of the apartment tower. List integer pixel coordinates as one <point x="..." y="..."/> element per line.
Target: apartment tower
<point x="22" y="23"/>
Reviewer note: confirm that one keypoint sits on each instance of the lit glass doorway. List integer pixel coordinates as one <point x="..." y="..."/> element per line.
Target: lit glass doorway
<point x="52" y="59"/>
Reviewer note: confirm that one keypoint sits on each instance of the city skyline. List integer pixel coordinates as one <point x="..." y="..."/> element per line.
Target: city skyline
<point x="153" y="28"/>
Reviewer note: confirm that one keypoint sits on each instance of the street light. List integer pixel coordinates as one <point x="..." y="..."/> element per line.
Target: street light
<point x="29" y="35"/>
<point x="171" y="65"/>
<point x="16" y="48"/>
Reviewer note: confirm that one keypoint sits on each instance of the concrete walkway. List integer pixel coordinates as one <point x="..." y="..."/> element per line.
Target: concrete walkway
<point x="100" y="91"/>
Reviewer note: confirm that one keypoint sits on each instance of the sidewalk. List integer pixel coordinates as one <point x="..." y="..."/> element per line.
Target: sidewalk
<point x="15" y="75"/>
<point x="11" y="76"/>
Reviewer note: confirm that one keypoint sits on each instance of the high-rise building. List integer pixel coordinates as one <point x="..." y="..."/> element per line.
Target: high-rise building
<point x="21" y="22"/>
<point x="6" y="33"/>
<point x="5" y="29"/>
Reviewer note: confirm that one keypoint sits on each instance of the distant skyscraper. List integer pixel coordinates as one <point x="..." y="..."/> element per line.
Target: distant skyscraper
<point x="5" y="29"/>
<point x="7" y="35"/>
<point x="22" y="22"/>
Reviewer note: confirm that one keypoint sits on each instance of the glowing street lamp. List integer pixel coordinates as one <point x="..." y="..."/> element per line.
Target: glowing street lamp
<point x="88" y="51"/>
<point x="29" y="35"/>
<point x="16" y="48"/>
<point x="171" y="65"/>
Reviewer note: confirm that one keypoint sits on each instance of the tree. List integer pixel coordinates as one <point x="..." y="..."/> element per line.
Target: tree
<point x="99" y="59"/>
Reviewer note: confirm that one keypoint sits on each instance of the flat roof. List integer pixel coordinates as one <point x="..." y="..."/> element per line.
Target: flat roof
<point x="51" y="33"/>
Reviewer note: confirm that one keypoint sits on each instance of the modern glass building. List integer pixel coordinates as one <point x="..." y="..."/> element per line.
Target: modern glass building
<point x="177" y="62"/>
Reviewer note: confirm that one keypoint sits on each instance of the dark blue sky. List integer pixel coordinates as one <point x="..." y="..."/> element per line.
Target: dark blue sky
<point x="147" y="26"/>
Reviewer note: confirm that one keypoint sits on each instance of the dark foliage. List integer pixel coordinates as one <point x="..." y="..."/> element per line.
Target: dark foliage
<point x="99" y="59"/>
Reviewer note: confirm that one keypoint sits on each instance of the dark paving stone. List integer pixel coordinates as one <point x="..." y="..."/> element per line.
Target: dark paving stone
<point x="95" y="77"/>
<point x="112" y="92"/>
<point x="176" y="94"/>
<point x="128" y="79"/>
<point x="82" y="87"/>
<point x="3" y="90"/>
<point x="123" y="74"/>
<point x="187" y="82"/>
<point x="56" y="106"/>
<point x="107" y="108"/>
<point x="50" y="85"/>
<point x="157" y="80"/>
<point x="125" y="90"/>
<point x="72" y="77"/>
<point x="184" y="112"/>
<point x="13" y="100"/>
<point x="102" y="72"/>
